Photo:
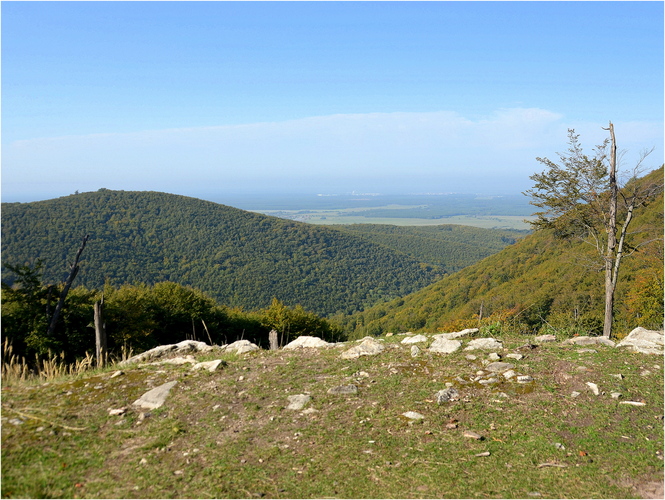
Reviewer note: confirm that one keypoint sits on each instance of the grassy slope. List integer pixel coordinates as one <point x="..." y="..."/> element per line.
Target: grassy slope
<point x="228" y="434"/>
<point x="536" y="268"/>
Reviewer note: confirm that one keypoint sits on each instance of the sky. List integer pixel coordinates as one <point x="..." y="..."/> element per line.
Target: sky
<point x="210" y="98"/>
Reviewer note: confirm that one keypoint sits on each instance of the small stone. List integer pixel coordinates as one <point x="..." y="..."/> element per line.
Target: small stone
<point x="645" y="373"/>
<point x="471" y="357"/>
<point x="492" y="380"/>
<point x="499" y="367"/>
<point x="472" y="435"/>
<point x="494" y="356"/>
<point x="389" y="334"/>
<point x="445" y="346"/>
<point x="559" y="446"/>
<point x="413" y="415"/>
<point x="117" y="374"/>
<point x="617" y="375"/>
<point x="615" y="395"/>
<point x="298" y="401"/>
<point x="118" y="411"/>
<point x="415" y="351"/>
<point x="415" y="339"/>
<point x="15" y="421"/>
<point x="143" y="461"/>
<point x="485" y="343"/>
<point x="178" y="473"/>
<point x="574" y="394"/>
<point x="632" y="403"/>
<point x="514" y="355"/>
<point x="594" y="388"/>
<point x="545" y="338"/>
<point x="509" y="374"/>
<point x="483" y="454"/>
<point x="446" y="395"/>
<point x="343" y="389"/>
<point x="524" y="379"/>
<point x="585" y="351"/>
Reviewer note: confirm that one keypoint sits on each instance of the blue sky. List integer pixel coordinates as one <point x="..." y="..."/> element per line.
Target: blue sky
<point x="207" y="98"/>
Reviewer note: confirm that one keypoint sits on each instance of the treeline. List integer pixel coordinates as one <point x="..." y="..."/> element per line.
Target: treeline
<point x="139" y="317"/>
<point x="450" y="247"/>
<point x="240" y="258"/>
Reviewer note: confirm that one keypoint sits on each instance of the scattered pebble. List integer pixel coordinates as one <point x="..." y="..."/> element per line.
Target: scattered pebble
<point x="483" y="454"/>
<point x="594" y="388"/>
<point x="472" y="435"/>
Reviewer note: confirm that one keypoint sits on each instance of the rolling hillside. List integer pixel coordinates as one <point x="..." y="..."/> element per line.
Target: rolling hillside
<point x="240" y="258"/>
<point x="539" y="281"/>
<point x="449" y="246"/>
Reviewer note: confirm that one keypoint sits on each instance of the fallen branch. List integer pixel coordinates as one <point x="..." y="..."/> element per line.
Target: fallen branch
<point x="551" y="464"/>
<point x="26" y="415"/>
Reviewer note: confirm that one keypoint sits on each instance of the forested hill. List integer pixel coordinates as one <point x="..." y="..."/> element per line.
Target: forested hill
<point x="240" y="258"/>
<point x="540" y="282"/>
<point x="449" y="246"/>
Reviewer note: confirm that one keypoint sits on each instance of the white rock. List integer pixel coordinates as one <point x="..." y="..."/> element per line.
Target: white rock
<point x="155" y="397"/>
<point x="509" y="374"/>
<point x="305" y="341"/>
<point x="241" y="347"/>
<point x="486" y="343"/>
<point x="494" y="356"/>
<point x="615" y="395"/>
<point x="515" y="356"/>
<point x="211" y="366"/>
<point x="413" y="415"/>
<point x="454" y="335"/>
<point x="524" y="379"/>
<point x="298" y="401"/>
<point x="574" y="394"/>
<point x="632" y="403"/>
<point x="445" y="346"/>
<point x="545" y="338"/>
<point x="594" y="388"/>
<point x="368" y="347"/>
<point x="415" y="351"/>
<point x="499" y="367"/>
<point x="414" y="340"/>
<point x="643" y="341"/>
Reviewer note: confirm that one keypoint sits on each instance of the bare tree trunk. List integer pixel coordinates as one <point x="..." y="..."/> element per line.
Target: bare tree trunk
<point x="74" y="269"/>
<point x="100" y="333"/>
<point x="611" y="228"/>
<point x="272" y="337"/>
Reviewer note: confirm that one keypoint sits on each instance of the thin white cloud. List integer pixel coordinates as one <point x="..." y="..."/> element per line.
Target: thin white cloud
<point x="402" y="149"/>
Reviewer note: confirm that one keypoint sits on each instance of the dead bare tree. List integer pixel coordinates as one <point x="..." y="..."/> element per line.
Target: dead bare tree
<point x="73" y="271"/>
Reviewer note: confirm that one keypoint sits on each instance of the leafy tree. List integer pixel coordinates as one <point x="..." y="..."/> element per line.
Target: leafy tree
<point x="582" y="197"/>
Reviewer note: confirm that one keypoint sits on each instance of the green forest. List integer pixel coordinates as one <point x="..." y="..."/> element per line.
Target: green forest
<point x="241" y="259"/>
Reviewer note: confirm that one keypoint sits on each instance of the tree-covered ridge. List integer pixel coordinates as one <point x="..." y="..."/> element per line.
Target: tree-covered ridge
<point x="540" y="282"/>
<point x="240" y="258"/>
<point x="449" y="246"/>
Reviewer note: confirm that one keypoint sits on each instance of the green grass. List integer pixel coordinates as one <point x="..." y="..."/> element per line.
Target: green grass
<point x="220" y="436"/>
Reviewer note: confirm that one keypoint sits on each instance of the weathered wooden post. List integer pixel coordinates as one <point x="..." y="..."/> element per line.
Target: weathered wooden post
<point x="272" y="336"/>
<point x="100" y="333"/>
